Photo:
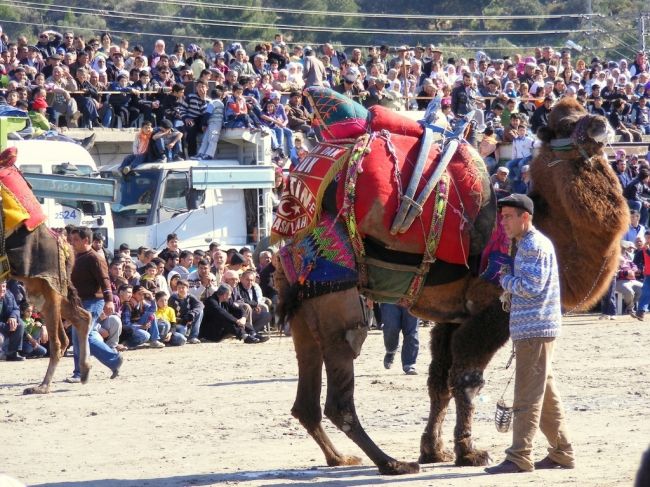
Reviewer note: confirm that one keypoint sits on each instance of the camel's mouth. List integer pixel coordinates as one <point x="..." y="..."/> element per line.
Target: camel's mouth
<point x="600" y="131"/>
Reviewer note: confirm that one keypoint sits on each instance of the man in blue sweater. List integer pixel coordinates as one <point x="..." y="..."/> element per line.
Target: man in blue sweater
<point x="535" y="320"/>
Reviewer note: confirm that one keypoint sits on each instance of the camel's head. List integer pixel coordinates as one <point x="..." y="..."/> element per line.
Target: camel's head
<point x="569" y="123"/>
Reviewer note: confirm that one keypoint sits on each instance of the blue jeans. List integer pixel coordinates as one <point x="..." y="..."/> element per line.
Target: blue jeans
<point x="14" y="338"/>
<point x="195" y="328"/>
<point x="141" y="336"/>
<point x="608" y="302"/>
<point x="37" y="351"/>
<point x="176" y="340"/>
<point x="644" y="300"/>
<point x="98" y="349"/>
<point x="397" y="318"/>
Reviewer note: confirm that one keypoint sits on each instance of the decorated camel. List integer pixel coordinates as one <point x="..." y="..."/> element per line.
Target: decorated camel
<point x="42" y="260"/>
<point x="355" y="221"/>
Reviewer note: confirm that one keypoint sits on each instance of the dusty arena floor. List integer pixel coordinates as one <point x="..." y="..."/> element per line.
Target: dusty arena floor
<point x="215" y="414"/>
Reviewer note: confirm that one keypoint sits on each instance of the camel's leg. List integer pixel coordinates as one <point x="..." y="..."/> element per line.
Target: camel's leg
<point x="52" y="316"/>
<point x="473" y="345"/>
<point x="307" y="408"/>
<point x="340" y="409"/>
<point x="431" y="443"/>
<point x="80" y="319"/>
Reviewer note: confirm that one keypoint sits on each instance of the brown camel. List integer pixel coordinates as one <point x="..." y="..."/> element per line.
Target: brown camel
<point x="43" y="260"/>
<point x="579" y="205"/>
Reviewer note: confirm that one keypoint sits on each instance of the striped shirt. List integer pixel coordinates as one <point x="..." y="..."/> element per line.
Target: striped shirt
<point x="193" y="106"/>
<point x="535" y="311"/>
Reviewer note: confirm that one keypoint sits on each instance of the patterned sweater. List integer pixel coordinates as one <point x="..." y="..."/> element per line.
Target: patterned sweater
<point x="535" y="311"/>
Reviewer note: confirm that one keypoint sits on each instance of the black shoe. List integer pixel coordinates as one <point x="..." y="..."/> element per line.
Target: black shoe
<point x="88" y="142"/>
<point x="547" y="464"/>
<point x="15" y="357"/>
<point x="262" y="338"/>
<point x="177" y="159"/>
<point x="504" y="467"/>
<point x="116" y="370"/>
<point x="251" y="339"/>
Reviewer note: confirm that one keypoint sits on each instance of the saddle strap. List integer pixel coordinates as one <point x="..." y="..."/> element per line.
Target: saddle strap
<point x="4" y="260"/>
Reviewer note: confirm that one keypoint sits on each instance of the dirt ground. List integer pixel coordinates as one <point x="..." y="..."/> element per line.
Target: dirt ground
<point x="215" y="414"/>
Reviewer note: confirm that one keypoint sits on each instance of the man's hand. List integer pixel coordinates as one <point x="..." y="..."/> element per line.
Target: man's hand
<point x="109" y="308"/>
<point x="241" y="322"/>
<point x="12" y="323"/>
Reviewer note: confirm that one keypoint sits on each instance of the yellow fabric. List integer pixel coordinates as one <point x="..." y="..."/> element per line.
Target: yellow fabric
<point x="167" y="313"/>
<point x="13" y="212"/>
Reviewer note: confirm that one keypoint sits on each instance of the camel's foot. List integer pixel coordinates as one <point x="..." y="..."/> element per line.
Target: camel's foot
<point x="395" y="467"/>
<point x="343" y="460"/>
<point x="473" y="458"/>
<point x="85" y="373"/>
<point x="436" y="456"/>
<point x="42" y="389"/>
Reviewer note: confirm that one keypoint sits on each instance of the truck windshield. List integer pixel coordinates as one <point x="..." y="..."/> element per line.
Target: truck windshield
<point x="135" y="193"/>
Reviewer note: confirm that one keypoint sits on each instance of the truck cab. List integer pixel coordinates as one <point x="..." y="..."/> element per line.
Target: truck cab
<point x="48" y="157"/>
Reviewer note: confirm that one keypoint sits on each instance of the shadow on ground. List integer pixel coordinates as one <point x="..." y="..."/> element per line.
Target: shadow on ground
<point x="334" y="476"/>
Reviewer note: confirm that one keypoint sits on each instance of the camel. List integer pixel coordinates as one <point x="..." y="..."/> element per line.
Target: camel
<point x="42" y="260"/>
<point x="578" y="205"/>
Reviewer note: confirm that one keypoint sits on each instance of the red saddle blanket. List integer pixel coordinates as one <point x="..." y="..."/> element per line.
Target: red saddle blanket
<point x="378" y="191"/>
<point x="395" y="144"/>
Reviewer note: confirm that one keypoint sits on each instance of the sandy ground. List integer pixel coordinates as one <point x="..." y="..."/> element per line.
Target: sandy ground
<point x="215" y="414"/>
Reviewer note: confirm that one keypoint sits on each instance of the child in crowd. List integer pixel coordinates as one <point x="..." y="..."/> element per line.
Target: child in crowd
<point x="35" y="336"/>
<point x="140" y="148"/>
<point x="522" y="152"/>
<point x="298" y="151"/>
<point x="166" y="318"/>
<point x="237" y="110"/>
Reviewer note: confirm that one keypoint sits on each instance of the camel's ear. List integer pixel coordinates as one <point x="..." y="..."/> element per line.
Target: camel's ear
<point x="545" y="134"/>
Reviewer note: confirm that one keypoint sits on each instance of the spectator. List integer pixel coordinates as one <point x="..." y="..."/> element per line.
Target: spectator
<point x="395" y="319"/>
<point x="192" y="111"/>
<point x="188" y="310"/>
<point x="202" y="282"/>
<point x="12" y="326"/>
<point x="165" y="143"/>
<point x="251" y="294"/>
<point x="138" y="317"/>
<point x="35" y="338"/>
<point x="627" y="284"/>
<point x="539" y="118"/>
<point x="223" y="318"/>
<point x="140" y="148"/>
<point x="500" y="182"/>
<point x="215" y="112"/>
<point x="166" y="320"/>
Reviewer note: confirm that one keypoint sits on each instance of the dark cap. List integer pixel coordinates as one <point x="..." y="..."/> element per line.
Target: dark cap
<point x="520" y="201"/>
<point x="124" y="246"/>
<point x="166" y="124"/>
<point x="237" y="258"/>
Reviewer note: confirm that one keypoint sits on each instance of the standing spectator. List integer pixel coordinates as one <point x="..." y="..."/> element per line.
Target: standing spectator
<point x="533" y="287"/>
<point x="216" y="112"/>
<point x="48" y="43"/>
<point x="397" y="318"/>
<point x="192" y="111"/>
<point x="90" y="278"/>
<point x="11" y="325"/>
<point x="644" y="300"/>
<point x="314" y="70"/>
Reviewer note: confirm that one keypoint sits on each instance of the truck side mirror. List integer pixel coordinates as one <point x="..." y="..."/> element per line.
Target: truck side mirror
<point x="194" y="198"/>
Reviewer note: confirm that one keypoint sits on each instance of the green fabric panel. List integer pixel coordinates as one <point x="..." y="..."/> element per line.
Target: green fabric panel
<point x="388" y="281"/>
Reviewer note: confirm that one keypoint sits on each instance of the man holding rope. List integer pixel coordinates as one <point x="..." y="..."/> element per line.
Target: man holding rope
<point x="533" y="291"/>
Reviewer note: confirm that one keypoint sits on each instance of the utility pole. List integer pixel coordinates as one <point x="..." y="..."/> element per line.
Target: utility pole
<point x="642" y="27"/>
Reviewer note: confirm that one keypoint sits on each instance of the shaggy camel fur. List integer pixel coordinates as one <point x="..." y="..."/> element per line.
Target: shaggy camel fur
<point x="578" y="201"/>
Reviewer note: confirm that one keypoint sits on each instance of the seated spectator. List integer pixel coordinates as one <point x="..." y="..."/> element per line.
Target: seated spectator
<point x="11" y="325"/>
<point x="279" y="131"/>
<point x="166" y="319"/>
<point x="237" y="113"/>
<point x="171" y="246"/>
<point x="35" y="338"/>
<point x="223" y="318"/>
<point x="121" y="101"/>
<point x="188" y="311"/>
<point x="539" y="118"/>
<point x="625" y="130"/>
<point x="641" y="115"/>
<point x="500" y="182"/>
<point x="637" y="194"/>
<point x="140" y="148"/>
<point x="636" y="230"/>
<point x="110" y="326"/>
<point x="138" y="317"/>
<point x="131" y="274"/>
<point x="185" y="259"/>
<point x="627" y="283"/>
<point x="488" y="149"/>
<point x="147" y="103"/>
<point x="166" y="143"/>
<point x="87" y="99"/>
<point x="298" y="152"/>
<point x="202" y="282"/>
<point x="523" y="185"/>
<point x="522" y="152"/>
<point x="148" y="279"/>
<point x="251" y="294"/>
<point x="298" y="116"/>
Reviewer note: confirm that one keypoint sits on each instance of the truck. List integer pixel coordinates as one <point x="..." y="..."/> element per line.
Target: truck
<point x="225" y="200"/>
<point x="65" y="180"/>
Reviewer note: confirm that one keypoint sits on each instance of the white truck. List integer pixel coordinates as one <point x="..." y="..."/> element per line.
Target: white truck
<point x="226" y="200"/>
<point x="62" y="175"/>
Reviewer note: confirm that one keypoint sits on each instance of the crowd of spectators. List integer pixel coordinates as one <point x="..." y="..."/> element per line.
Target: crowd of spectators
<point x="156" y="300"/>
<point x="191" y="92"/>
